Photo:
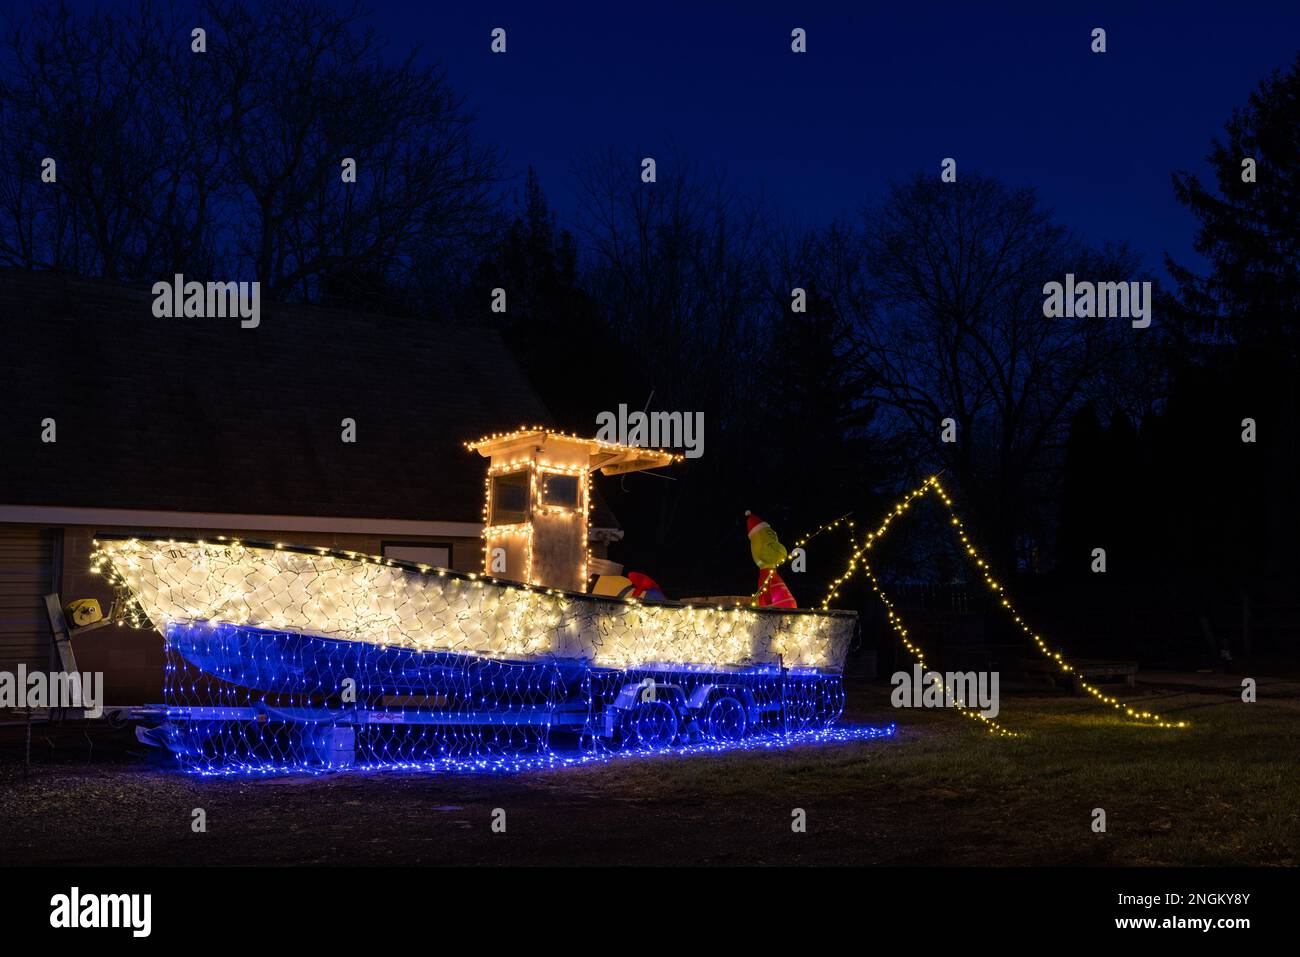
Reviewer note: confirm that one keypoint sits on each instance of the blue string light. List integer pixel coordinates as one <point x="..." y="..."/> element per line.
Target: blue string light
<point x="242" y="700"/>
<point x="550" y="760"/>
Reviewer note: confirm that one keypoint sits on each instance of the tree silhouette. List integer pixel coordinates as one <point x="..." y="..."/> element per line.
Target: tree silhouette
<point x="230" y="160"/>
<point x="576" y="361"/>
<point x="944" y="288"/>
<point x="1249" y="231"/>
<point x="1229" y="513"/>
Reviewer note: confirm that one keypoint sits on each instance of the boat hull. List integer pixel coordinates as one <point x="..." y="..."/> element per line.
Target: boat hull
<point x="289" y="663"/>
<point x="282" y="659"/>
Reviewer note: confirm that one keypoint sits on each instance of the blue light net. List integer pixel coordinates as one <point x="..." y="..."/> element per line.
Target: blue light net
<point x="244" y="700"/>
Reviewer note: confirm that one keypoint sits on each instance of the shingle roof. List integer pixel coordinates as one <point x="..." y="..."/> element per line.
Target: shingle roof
<point x="202" y="415"/>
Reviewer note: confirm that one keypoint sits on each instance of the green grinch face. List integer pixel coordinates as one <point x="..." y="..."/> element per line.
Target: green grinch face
<point x="766" y="548"/>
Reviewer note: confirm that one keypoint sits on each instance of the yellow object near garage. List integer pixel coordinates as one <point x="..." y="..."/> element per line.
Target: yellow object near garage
<point x="83" y="611"/>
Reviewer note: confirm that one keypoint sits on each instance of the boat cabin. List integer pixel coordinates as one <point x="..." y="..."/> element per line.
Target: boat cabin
<point x="537" y="501"/>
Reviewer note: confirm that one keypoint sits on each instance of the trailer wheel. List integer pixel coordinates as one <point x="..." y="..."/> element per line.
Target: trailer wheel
<point x="726" y="719"/>
<point x="650" y="725"/>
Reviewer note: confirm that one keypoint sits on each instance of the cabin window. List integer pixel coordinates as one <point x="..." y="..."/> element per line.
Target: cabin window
<point x="509" y="499"/>
<point x="560" y="491"/>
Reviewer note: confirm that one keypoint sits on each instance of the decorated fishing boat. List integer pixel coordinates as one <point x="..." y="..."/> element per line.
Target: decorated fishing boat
<point x="286" y="654"/>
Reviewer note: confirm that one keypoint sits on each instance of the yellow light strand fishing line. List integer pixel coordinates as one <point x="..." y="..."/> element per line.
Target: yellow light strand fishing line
<point x="857" y="560"/>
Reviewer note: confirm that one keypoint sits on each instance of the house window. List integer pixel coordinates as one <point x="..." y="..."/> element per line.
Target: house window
<point x="439" y="556"/>
<point x="509" y="499"/>
<point x="560" y="491"/>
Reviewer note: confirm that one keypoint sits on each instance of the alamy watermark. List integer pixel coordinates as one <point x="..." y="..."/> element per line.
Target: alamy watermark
<point x="967" y="689"/>
<point x="1099" y="300"/>
<point x="661" y="430"/>
<point x="75" y="909"/>
<point x="208" y="300"/>
<point x="56" y="689"/>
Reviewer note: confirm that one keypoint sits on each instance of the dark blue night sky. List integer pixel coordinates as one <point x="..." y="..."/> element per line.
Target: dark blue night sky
<point x="885" y="90"/>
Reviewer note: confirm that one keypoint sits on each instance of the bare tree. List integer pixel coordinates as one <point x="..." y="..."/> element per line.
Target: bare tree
<point x="944" y="286"/>
<point x="231" y="159"/>
<point x="87" y="92"/>
<point x="302" y="88"/>
<point x="678" y="264"/>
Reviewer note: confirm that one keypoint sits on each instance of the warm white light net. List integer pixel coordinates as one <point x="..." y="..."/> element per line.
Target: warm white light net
<point x="390" y="603"/>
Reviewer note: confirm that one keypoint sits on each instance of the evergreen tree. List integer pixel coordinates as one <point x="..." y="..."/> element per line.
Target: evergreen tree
<point x="551" y="324"/>
<point x="1228" y="510"/>
<point x="1250" y="228"/>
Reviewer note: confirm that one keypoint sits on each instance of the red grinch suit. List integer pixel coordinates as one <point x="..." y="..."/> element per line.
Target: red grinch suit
<point x="768" y="553"/>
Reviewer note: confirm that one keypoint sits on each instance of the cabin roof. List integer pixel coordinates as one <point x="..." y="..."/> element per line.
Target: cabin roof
<point x="201" y="415"/>
<point x="610" y="458"/>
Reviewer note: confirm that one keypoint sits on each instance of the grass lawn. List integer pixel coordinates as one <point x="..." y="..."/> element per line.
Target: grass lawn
<point x="1224" y="791"/>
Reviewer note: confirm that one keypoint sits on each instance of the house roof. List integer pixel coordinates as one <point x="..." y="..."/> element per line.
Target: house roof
<point x="202" y="415"/>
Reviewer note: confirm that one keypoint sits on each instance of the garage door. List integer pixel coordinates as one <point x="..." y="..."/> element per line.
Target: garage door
<point x="26" y="574"/>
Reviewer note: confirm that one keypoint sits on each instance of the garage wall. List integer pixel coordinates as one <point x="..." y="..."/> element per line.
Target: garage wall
<point x="27" y="571"/>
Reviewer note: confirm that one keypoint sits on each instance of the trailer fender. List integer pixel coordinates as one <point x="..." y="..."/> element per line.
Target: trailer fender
<point x="649" y="689"/>
<point x="702" y="693"/>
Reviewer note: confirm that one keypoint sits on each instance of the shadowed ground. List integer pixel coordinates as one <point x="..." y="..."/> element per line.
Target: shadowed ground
<point x="1225" y="791"/>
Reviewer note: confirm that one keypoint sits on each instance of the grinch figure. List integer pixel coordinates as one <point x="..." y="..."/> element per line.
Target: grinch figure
<point x="768" y="553"/>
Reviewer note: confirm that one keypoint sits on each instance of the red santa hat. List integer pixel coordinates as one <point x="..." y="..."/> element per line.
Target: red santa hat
<point x="753" y="523"/>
